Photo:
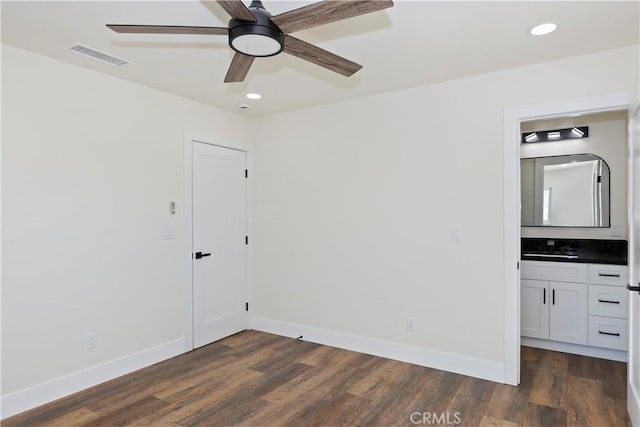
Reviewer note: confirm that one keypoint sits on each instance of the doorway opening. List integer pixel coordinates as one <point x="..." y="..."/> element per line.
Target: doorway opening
<point x="513" y="119"/>
<point x="574" y="236"/>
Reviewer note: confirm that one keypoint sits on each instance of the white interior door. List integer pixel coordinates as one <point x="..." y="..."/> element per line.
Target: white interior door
<point x="219" y="246"/>
<point x="633" y="367"/>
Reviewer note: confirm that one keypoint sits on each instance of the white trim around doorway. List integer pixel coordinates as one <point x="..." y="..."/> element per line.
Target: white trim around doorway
<point x="513" y="116"/>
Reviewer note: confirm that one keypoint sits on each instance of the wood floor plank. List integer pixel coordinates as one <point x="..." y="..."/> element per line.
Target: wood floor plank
<point x="508" y="403"/>
<point x="436" y="395"/>
<point x="550" y="380"/>
<point x="320" y="356"/>
<point x="614" y="382"/>
<point x="256" y="379"/>
<point x="343" y="411"/>
<point x="241" y="338"/>
<point x="129" y="413"/>
<point x="237" y="404"/>
<point x="587" y="405"/>
<point x="391" y="405"/>
<point x="544" y="416"/>
<point x="603" y="370"/>
<point x="80" y="416"/>
<point x="618" y="413"/>
<point x="294" y="351"/>
<point x="199" y="399"/>
<point x="310" y="380"/>
<point x="471" y="400"/>
<point x="284" y="405"/>
<point x="322" y="397"/>
<point x="217" y="377"/>
<point x="496" y="422"/>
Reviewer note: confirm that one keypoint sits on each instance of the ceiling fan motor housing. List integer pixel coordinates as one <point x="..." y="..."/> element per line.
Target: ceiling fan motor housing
<point x="261" y="38"/>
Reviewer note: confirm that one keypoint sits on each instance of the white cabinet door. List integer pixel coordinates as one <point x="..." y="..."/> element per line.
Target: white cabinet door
<point x="568" y="312"/>
<point x="534" y="308"/>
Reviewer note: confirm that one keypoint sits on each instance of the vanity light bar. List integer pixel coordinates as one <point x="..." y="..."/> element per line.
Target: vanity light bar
<point x="577" y="132"/>
<point x="555" y="134"/>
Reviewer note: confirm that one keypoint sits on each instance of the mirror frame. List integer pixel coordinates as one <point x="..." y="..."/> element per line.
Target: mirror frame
<point x="606" y="189"/>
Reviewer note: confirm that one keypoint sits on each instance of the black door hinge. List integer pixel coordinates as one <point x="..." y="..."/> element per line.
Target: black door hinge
<point x="518" y="266"/>
<point x="246" y="240"/>
<point x="246" y="173"/>
<point x="599" y="178"/>
<point x="246" y="307"/>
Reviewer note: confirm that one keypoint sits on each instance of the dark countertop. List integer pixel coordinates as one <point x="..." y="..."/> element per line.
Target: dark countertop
<point x="591" y="251"/>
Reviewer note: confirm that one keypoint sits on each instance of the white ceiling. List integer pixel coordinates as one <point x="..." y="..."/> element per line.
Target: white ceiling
<point x="411" y="44"/>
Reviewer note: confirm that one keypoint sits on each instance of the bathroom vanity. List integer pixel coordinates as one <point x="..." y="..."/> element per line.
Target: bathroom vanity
<point x="574" y="297"/>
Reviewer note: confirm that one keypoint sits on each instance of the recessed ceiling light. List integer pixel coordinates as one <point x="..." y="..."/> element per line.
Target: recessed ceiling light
<point x="542" y="29"/>
<point x="253" y="96"/>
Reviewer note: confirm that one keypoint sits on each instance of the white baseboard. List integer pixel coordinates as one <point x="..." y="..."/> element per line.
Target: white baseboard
<point x="584" y="350"/>
<point x="484" y="369"/>
<point x="39" y="394"/>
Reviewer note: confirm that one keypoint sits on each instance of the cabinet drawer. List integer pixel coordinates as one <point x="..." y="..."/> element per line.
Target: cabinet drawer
<point x="608" y="332"/>
<point x="612" y="275"/>
<point x="557" y="271"/>
<point x="611" y="301"/>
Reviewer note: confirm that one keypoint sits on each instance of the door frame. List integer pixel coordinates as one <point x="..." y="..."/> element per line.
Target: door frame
<point x="513" y="116"/>
<point x="633" y="407"/>
<point x="191" y="137"/>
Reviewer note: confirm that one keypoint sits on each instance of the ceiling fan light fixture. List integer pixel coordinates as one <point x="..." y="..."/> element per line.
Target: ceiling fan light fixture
<point x="255" y="44"/>
<point x="260" y="38"/>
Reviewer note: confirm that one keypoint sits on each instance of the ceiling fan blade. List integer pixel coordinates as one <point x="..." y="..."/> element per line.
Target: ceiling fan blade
<point x="239" y="68"/>
<point x="236" y="9"/>
<point x="321" y="57"/>
<point x="325" y="12"/>
<point x="168" y="29"/>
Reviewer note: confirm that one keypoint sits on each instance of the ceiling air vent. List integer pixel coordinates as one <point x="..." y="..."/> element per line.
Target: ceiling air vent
<point x="97" y="55"/>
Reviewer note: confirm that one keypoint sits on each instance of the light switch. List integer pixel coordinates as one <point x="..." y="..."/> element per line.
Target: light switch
<point x="615" y="230"/>
<point x="167" y="232"/>
<point x="458" y="232"/>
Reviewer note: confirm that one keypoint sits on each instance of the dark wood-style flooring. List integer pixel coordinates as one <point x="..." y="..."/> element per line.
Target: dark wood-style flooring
<point x="258" y="379"/>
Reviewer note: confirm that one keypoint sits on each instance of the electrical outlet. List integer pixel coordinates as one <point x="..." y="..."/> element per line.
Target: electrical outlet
<point x="90" y="341"/>
<point x="411" y="324"/>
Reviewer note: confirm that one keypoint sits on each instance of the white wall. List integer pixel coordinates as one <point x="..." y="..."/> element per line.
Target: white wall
<point x="89" y="165"/>
<point x="354" y="209"/>
<point x="608" y="140"/>
<point x="356" y="203"/>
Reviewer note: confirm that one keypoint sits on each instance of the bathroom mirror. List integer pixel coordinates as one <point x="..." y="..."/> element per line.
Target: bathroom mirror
<point x="565" y="191"/>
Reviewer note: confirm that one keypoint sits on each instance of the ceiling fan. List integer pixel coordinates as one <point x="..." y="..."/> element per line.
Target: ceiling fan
<point x="254" y="32"/>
